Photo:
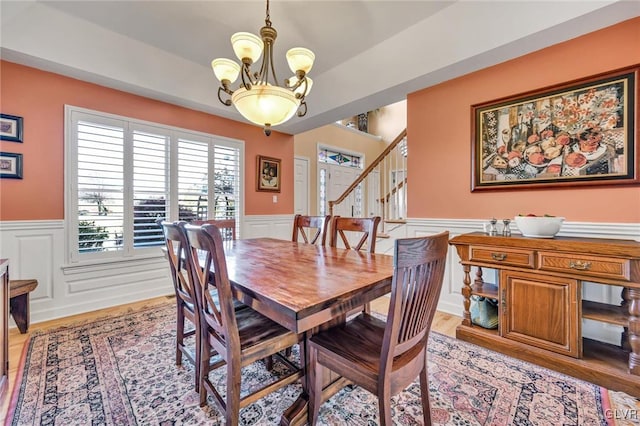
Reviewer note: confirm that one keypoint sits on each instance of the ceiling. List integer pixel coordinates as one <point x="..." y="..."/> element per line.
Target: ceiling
<point x="368" y="53"/>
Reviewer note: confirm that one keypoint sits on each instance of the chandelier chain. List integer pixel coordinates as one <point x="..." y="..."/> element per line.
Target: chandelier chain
<point x="267" y="19"/>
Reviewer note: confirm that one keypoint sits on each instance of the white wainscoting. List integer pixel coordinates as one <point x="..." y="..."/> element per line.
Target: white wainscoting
<point x="36" y="249"/>
<point x="276" y="226"/>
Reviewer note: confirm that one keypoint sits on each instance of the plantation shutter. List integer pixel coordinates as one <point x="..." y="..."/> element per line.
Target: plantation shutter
<point x="226" y="174"/>
<point x="100" y="177"/>
<point x="150" y="187"/>
<point x="193" y="175"/>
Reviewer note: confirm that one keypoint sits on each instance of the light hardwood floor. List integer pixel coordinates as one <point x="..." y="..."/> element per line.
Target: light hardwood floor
<point x="443" y="323"/>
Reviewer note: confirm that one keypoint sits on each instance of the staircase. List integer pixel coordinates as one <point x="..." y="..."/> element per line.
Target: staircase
<point x="384" y="187"/>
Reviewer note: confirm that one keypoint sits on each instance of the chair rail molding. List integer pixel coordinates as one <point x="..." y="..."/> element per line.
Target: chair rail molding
<point x="629" y="231"/>
<point x="17" y="225"/>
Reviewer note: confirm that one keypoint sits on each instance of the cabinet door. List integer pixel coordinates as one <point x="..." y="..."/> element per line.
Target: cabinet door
<point x="541" y="311"/>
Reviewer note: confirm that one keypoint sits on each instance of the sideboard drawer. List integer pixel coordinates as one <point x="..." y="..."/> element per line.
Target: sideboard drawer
<point x="606" y="267"/>
<point x="502" y="256"/>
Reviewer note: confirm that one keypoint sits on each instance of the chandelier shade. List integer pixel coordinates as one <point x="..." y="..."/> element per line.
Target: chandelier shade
<point x="260" y="97"/>
<point x="266" y="104"/>
<point x="225" y="69"/>
<point x="247" y="45"/>
<point x="300" y="58"/>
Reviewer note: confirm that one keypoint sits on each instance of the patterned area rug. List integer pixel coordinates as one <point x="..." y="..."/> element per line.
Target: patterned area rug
<point x="121" y="371"/>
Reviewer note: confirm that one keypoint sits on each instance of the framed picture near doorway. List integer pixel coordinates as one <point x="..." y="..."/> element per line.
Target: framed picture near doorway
<point x="268" y="174"/>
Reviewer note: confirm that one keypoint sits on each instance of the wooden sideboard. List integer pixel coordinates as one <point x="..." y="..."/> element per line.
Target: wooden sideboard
<point x="4" y="326"/>
<point x="541" y="309"/>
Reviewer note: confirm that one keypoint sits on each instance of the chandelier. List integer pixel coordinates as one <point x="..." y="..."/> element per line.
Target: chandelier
<point x="259" y="97"/>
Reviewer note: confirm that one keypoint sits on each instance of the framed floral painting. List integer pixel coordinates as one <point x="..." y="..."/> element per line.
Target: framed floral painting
<point x="579" y="133"/>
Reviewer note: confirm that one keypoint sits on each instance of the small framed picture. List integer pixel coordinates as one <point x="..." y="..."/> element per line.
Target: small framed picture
<point x="10" y="128"/>
<point x="268" y="174"/>
<point x="10" y="165"/>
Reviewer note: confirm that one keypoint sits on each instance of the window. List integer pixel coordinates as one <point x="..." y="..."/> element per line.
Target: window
<point x="343" y="159"/>
<point x="124" y="174"/>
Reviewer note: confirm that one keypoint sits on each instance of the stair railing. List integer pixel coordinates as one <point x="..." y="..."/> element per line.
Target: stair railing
<point x="386" y="178"/>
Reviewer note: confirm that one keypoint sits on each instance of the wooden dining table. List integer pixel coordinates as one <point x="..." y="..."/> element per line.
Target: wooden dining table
<point x="305" y="288"/>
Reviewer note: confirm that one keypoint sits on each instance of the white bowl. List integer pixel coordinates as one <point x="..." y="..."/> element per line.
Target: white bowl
<point x="539" y="226"/>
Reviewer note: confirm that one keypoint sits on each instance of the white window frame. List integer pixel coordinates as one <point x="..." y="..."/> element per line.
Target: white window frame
<point x="72" y="114"/>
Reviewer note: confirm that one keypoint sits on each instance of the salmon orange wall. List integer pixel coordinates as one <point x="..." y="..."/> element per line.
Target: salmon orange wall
<point x="39" y="97"/>
<point x="439" y="135"/>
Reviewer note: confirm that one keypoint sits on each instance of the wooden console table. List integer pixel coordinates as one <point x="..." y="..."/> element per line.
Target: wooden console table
<point x="541" y="308"/>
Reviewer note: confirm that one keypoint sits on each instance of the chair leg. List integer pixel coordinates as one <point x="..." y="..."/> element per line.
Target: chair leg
<point x="198" y="352"/>
<point x="268" y="362"/>
<point x="424" y="393"/>
<point x="384" y="405"/>
<point x="205" y="355"/>
<point x="234" y="376"/>
<point x="315" y="386"/>
<point x="179" y="334"/>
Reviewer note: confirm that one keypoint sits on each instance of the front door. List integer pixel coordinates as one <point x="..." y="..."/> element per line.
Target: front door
<point x="338" y="179"/>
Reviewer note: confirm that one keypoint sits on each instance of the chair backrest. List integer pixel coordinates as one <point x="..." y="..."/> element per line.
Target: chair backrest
<point x="419" y="265"/>
<point x="227" y="227"/>
<point x="176" y="244"/>
<point x="312" y="229"/>
<point x="365" y="227"/>
<point x="206" y="254"/>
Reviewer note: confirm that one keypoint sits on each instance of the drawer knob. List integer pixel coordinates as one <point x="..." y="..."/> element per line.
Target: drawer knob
<point x="499" y="256"/>
<point x="579" y="265"/>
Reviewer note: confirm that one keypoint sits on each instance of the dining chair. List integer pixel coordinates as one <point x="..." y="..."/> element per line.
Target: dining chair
<point x="384" y="357"/>
<point x="176" y="245"/>
<point x="240" y="337"/>
<point x="227" y="227"/>
<point x="312" y="229"/>
<point x="365" y="230"/>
